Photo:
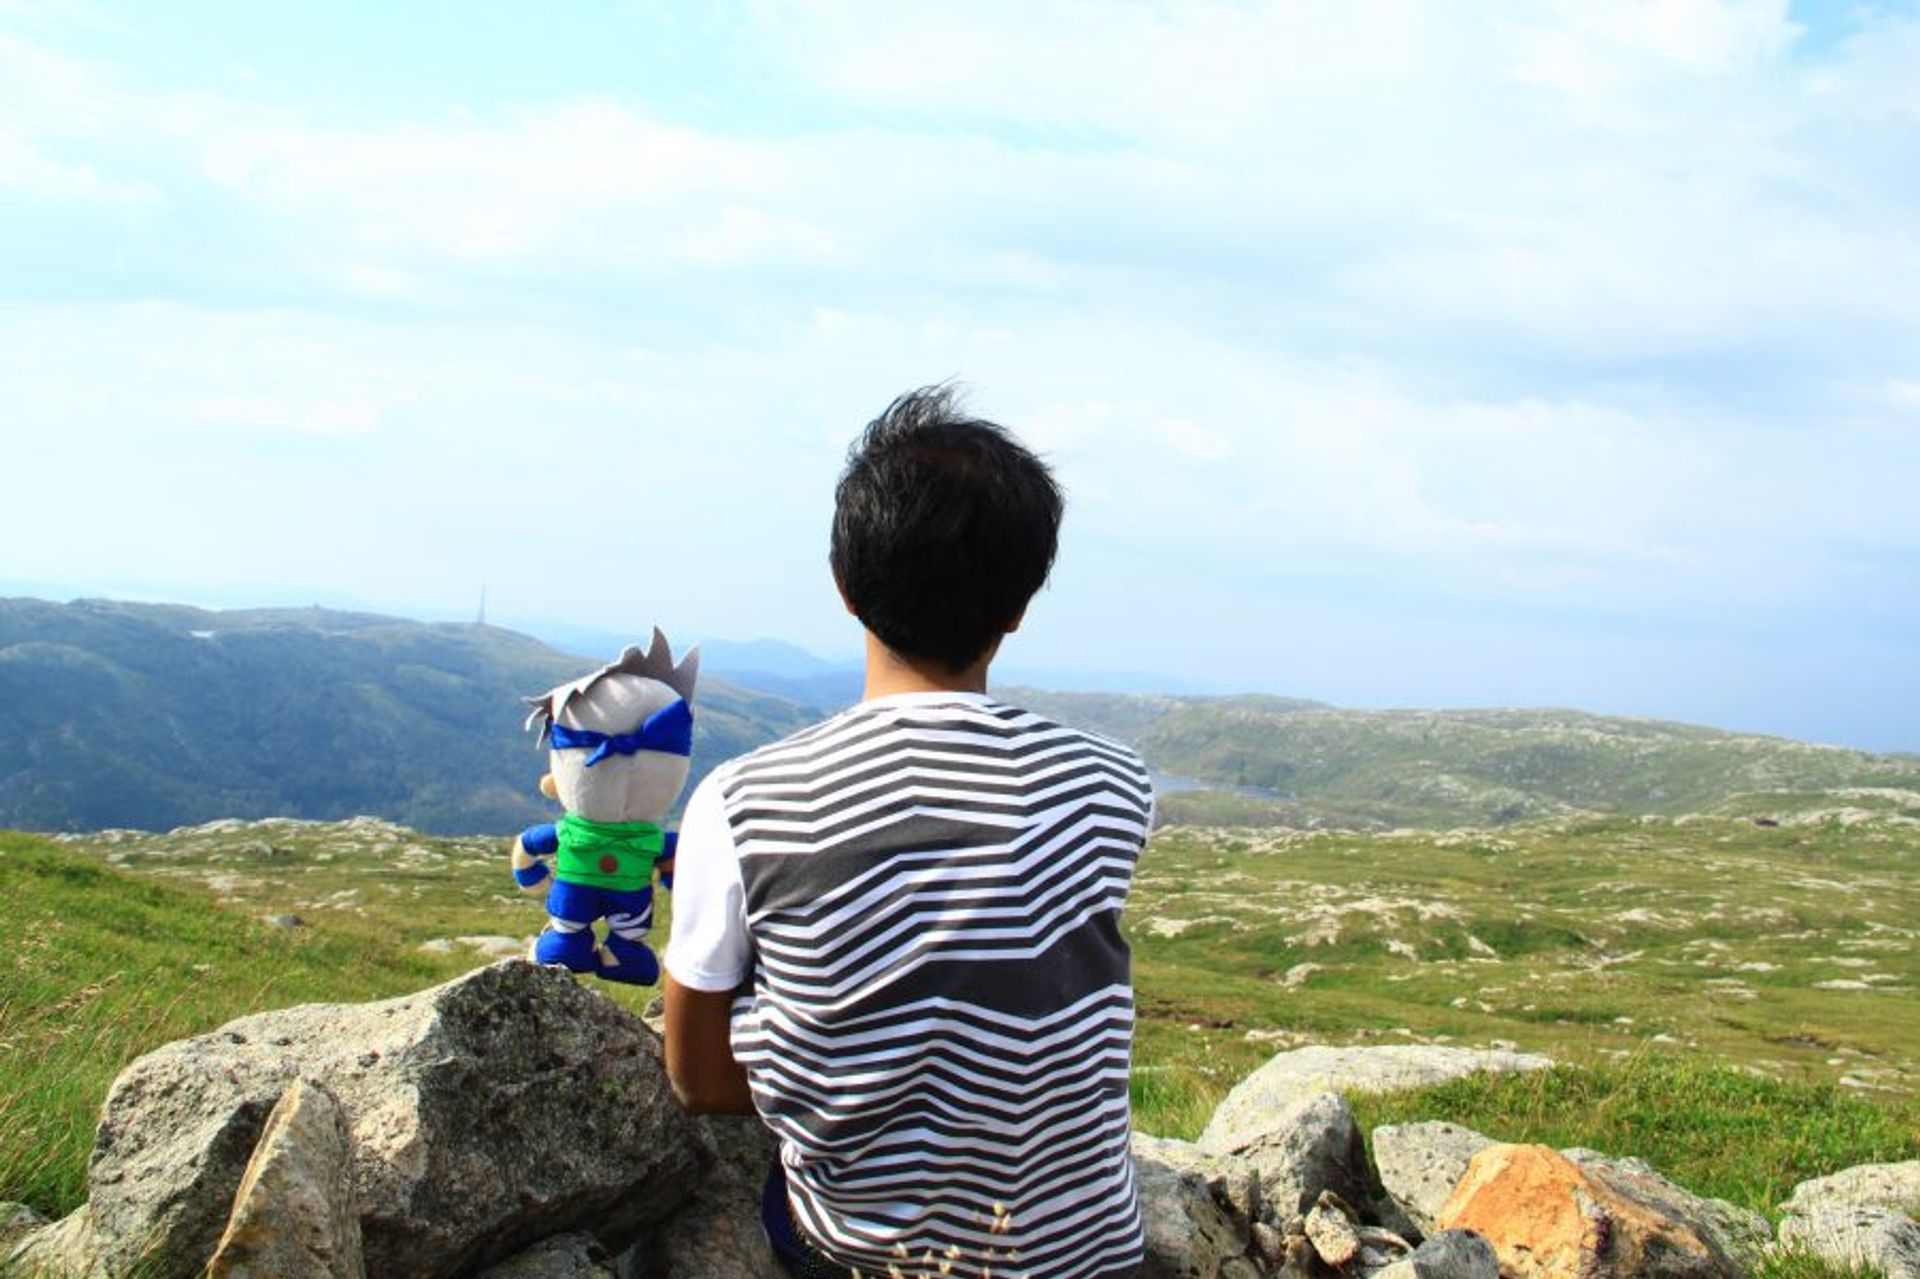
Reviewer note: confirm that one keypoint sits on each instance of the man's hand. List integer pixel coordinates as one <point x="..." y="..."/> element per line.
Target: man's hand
<point x="700" y="1064"/>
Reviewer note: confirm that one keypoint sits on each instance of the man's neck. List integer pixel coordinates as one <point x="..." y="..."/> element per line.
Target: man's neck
<point x="889" y="672"/>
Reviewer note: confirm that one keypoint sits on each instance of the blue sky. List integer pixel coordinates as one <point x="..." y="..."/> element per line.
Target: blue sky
<point x="1558" y="352"/>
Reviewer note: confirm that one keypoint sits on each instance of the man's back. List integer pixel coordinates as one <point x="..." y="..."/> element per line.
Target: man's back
<point x="941" y="1014"/>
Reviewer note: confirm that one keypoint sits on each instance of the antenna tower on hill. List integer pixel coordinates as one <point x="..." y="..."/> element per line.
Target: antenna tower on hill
<point x="480" y="618"/>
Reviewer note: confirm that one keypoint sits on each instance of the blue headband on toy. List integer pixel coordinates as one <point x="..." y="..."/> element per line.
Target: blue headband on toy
<point x="669" y="730"/>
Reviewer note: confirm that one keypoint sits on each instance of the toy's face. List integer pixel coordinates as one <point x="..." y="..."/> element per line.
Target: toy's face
<point x="617" y="787"/>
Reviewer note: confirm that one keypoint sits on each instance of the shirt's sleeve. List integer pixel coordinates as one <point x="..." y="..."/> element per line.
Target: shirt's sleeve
<point x="709" y="947"/>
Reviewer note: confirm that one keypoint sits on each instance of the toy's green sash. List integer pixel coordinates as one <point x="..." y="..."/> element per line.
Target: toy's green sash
<point x="617" y="855"/>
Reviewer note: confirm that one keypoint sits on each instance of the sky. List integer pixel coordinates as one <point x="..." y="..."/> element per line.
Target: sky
<point x="1556" y="352"/>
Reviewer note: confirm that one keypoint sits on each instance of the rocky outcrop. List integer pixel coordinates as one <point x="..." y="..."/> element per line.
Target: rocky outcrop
<point x="1296" y="1150"/>
<point x="295" y="1215"/>
<point x="485" y="1115"/>
<point x="514" y="1124"/>
<point x="571" y="1256"/>
<point x="1852" y="1236"/>
<point x="1895" y="1187"/>
<point x="1190" y="1235"/>
<point x="1447" y="1254"/>
<point x="1859" y="1217"/>
<point x="1420" y="1164"/>
<point x="1740" y="1233"/>
<point x="718" y="1235"/>
<point x="1289" y="1076"/>
<point x="1548" y="1217"/>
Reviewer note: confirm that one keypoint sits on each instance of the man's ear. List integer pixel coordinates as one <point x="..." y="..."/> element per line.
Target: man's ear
<point x="1018" y="618"/>
<point x="844" y="601"/>
<point x="548" y="786"/>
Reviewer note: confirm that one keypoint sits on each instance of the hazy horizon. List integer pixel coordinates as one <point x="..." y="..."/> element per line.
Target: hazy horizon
<point x="1009" y="671"/>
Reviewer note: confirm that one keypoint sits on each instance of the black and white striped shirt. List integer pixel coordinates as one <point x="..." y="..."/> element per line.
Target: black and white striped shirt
<point x="926" y="892"/>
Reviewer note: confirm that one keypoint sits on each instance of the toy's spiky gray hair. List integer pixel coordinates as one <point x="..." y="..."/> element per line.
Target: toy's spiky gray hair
<point x="654" y="662"/>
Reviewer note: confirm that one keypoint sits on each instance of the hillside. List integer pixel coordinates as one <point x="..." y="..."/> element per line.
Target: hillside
<point x="155" y="716"/>
<point x="1287" y="762"/>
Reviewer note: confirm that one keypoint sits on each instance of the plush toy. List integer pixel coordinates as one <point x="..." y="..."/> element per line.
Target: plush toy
<point x="619" y="741"/>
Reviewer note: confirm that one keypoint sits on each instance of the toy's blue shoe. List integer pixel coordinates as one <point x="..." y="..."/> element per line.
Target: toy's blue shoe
<point x="628" y="961"/>
<point x="570" y="950"/>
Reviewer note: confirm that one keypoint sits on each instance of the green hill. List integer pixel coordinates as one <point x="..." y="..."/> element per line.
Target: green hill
<point x="154" y="716"/>
<point x="1285" y="762"/>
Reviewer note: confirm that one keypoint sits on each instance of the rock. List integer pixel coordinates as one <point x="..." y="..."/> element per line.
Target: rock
<point x="1892" y="1186"/>
<point x="1854" y="1236"/>
<point x="1233" y="1185"/>
<point x="718" y="1235"/>
<point x="1380" y="1247"/>
<point x="1446" y="1254"/>
<point x="1289" y="1076"/>
<point x="576" y="1255"/>
<point x="1333" y="1229"/>
<point x="488" y="1113"/>
<point x="1739" y="1232"/>
<point x="1188" y="1236"/>
<point x="63" y="1248"/>
<point x="1420" y="1164"/>
<point x="1310" y="1145"/>
<point x="295" y="1215"/>
<point x="17" y="1219"/>
<point x="1269" y="1245"/>
<point x="1546" y="1216"/>
<point x="283" y="921"/>
<point x="495" y="945"/>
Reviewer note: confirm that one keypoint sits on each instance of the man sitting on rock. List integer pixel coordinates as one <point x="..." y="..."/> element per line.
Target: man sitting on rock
<point x="896" y="933"/>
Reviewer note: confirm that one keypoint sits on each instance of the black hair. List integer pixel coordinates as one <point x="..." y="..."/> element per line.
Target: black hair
<point x="944" y="526"/>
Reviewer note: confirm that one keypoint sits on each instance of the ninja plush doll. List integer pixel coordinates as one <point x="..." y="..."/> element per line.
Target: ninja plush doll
<point x="618" y="745"/>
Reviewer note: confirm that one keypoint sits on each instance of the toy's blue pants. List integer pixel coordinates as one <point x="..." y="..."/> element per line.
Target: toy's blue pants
<point x="568" y="939"/>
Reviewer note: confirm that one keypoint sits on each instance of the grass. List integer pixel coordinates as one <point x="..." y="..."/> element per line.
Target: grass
<point x="1716" y="1129"/>
<point x="1787" y="950"/>
<point x="101" y="967"/>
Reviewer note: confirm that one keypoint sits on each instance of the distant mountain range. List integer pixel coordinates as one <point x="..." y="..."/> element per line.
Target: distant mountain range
<point x="1279" y="761"/>
<point x="154" y="715"/>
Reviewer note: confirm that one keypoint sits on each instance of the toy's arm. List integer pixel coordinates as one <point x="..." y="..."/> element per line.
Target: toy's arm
<point x="534" y="844"/>
<point x="665" y="862"/>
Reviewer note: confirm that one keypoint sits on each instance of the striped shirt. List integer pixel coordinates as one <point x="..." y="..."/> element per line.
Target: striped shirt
<point x="926" y="892"/>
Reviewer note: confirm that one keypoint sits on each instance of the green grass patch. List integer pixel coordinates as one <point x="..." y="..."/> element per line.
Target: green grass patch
<point x="1713" y="1128"/>
<point x="102" y="966"/>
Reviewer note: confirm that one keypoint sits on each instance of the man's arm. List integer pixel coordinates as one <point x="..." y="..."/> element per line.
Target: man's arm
<point x="700" y="1064"/>
<point x="709" y="961"/>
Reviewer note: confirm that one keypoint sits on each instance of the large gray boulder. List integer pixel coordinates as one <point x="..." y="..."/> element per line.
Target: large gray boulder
<point x="1289" y="1076"/>
<point x="486" y="1114"/>
<point x="1297" y="1150"/>
<point x="1420" y="1164"/>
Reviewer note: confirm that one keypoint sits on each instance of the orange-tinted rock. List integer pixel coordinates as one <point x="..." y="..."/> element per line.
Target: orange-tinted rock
<point x="1549" y="1218"/>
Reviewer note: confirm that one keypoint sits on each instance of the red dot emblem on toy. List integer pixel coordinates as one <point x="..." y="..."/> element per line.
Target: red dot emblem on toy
<point x="609" y="864"/>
